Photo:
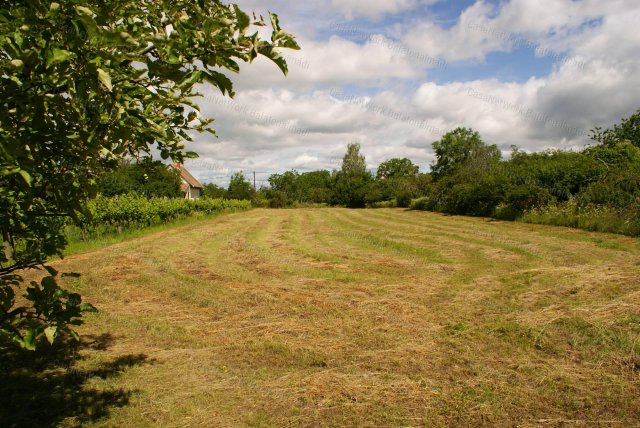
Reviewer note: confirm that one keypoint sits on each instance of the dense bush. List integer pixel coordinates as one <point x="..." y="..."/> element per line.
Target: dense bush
<point x="278" y="199"/>
<point x="597" y="188"/>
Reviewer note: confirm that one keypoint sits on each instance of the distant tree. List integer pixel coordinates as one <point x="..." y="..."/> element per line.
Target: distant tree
<point x="396" y="168"/>
<point x="314" y="186"/>
<point x="145" y="177"/>
<point x="240" y="187"/>
<point x="461" y="148"/>
<point x="351" y="183"/>
<point x="396" y="179"/>
<point x="353" y="163"/>
<point x="213" y="191"/>
<point x="287" y="183"/>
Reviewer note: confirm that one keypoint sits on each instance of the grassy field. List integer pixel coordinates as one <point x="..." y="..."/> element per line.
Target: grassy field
<point x="335" y="317"/>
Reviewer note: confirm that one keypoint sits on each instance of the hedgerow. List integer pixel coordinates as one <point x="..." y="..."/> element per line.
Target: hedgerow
<point x="114" y="214"/>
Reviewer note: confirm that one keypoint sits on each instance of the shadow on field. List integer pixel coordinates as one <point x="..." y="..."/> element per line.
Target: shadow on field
<point x="43" y="388"/>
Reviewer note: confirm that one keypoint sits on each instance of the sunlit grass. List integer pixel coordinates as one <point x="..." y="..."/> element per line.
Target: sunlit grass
<point x="385" y="317"/>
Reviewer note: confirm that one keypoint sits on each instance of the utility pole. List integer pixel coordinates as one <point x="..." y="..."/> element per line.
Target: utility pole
<point x="254" y="181"/>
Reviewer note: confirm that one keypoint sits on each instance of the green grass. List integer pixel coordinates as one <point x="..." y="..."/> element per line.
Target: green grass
<point x="336" y="317"/>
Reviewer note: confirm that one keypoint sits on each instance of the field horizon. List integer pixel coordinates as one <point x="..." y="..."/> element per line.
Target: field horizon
<point x="338" y="317"/>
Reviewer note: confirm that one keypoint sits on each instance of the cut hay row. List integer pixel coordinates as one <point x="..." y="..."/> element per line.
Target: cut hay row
<point x="333" y="317"/>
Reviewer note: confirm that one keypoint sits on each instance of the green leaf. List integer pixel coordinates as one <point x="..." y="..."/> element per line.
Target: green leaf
<point x="286" y="40"/>
<point x="243" y="19"/>
<point x="74" y="334"/>
<point x="29" y="339"/>
<point x="26" y="177"/>
<point x="82" y="10"/>
<point x="105" y="79"/>
<point x="221" y="81"/>
<point x="192" y="78"/>
<point x="57" y="56"/>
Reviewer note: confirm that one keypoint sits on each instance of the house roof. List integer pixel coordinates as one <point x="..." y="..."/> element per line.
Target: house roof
<point x="187" y="177"/>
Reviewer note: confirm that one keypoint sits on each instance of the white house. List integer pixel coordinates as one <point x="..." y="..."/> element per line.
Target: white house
<point x="191" y="187"/>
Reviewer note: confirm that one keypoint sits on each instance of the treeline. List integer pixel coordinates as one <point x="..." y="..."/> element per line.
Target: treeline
<point x="396" y="183"/>
<point x="597" y="188"/>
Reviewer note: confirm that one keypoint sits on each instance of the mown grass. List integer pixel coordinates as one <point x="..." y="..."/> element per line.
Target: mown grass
<point x="340" y="317"/>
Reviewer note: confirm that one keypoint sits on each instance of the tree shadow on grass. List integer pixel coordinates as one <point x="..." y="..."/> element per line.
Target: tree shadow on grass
<point x="45" y="387"/>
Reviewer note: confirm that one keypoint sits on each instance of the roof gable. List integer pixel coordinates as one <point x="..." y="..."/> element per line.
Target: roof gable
<point x="187" y="177"/>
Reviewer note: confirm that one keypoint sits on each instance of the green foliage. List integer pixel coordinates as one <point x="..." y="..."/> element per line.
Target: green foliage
<point x="352" y="183"/>
<point x="351" y="190"/>
<point x="213" y="191"/>
<point x="563" y="174"/>
<point x="285" y="184"/>
<point x="146" y="177"/>
<point x="423" y="204"/>
<point x="396" y="179"/>
<point x="278" y="199"/>
<point x="599" y="218"/>
<point x="240" y="188"/>
<point x="135" y="211"/>
<point x="597" y="188"/>
<point x="396" y="168"/>
<point x="461" y="148"/>
<point x="403" y="200"/>
<point x="47" y="312"/>
<point x="308" y="187"/>
<point x="85" y="83"/>
<point x="468" y="192"/>
<point x="314" y="187"/>
<point x="353" y="163"/>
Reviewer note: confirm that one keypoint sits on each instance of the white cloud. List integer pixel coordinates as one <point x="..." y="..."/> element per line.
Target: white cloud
<point x="374" y="9"/>
<point x="279" y="123"/>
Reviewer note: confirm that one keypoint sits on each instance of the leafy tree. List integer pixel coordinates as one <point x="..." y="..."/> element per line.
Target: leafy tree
<point x="240" y="188"/>
<point x="351" y="190"/>
<point x="84" y="83"/>
<point x="563" y="174"/>
<point x="397" y="179"/>
<point x="286" y="183"/>
<point x="278" y="199"/>
<point x="459" y="148"/>
<point x="353" y="163"/>
<point x="396" y="168"/>
<point x="145" y="177"/>
<point x="314" y="186"/>
<point x="351" y="183"/>
<point x="213" y="191"/>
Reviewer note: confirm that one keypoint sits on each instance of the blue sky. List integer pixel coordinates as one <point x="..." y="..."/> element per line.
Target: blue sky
<point x="538" y="74"/>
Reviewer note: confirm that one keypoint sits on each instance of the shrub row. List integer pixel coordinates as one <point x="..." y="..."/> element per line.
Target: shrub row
<point x="131" y="211"/>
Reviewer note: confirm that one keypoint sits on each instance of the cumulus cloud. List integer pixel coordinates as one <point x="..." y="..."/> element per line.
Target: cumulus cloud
<point x="374" y="91"/>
